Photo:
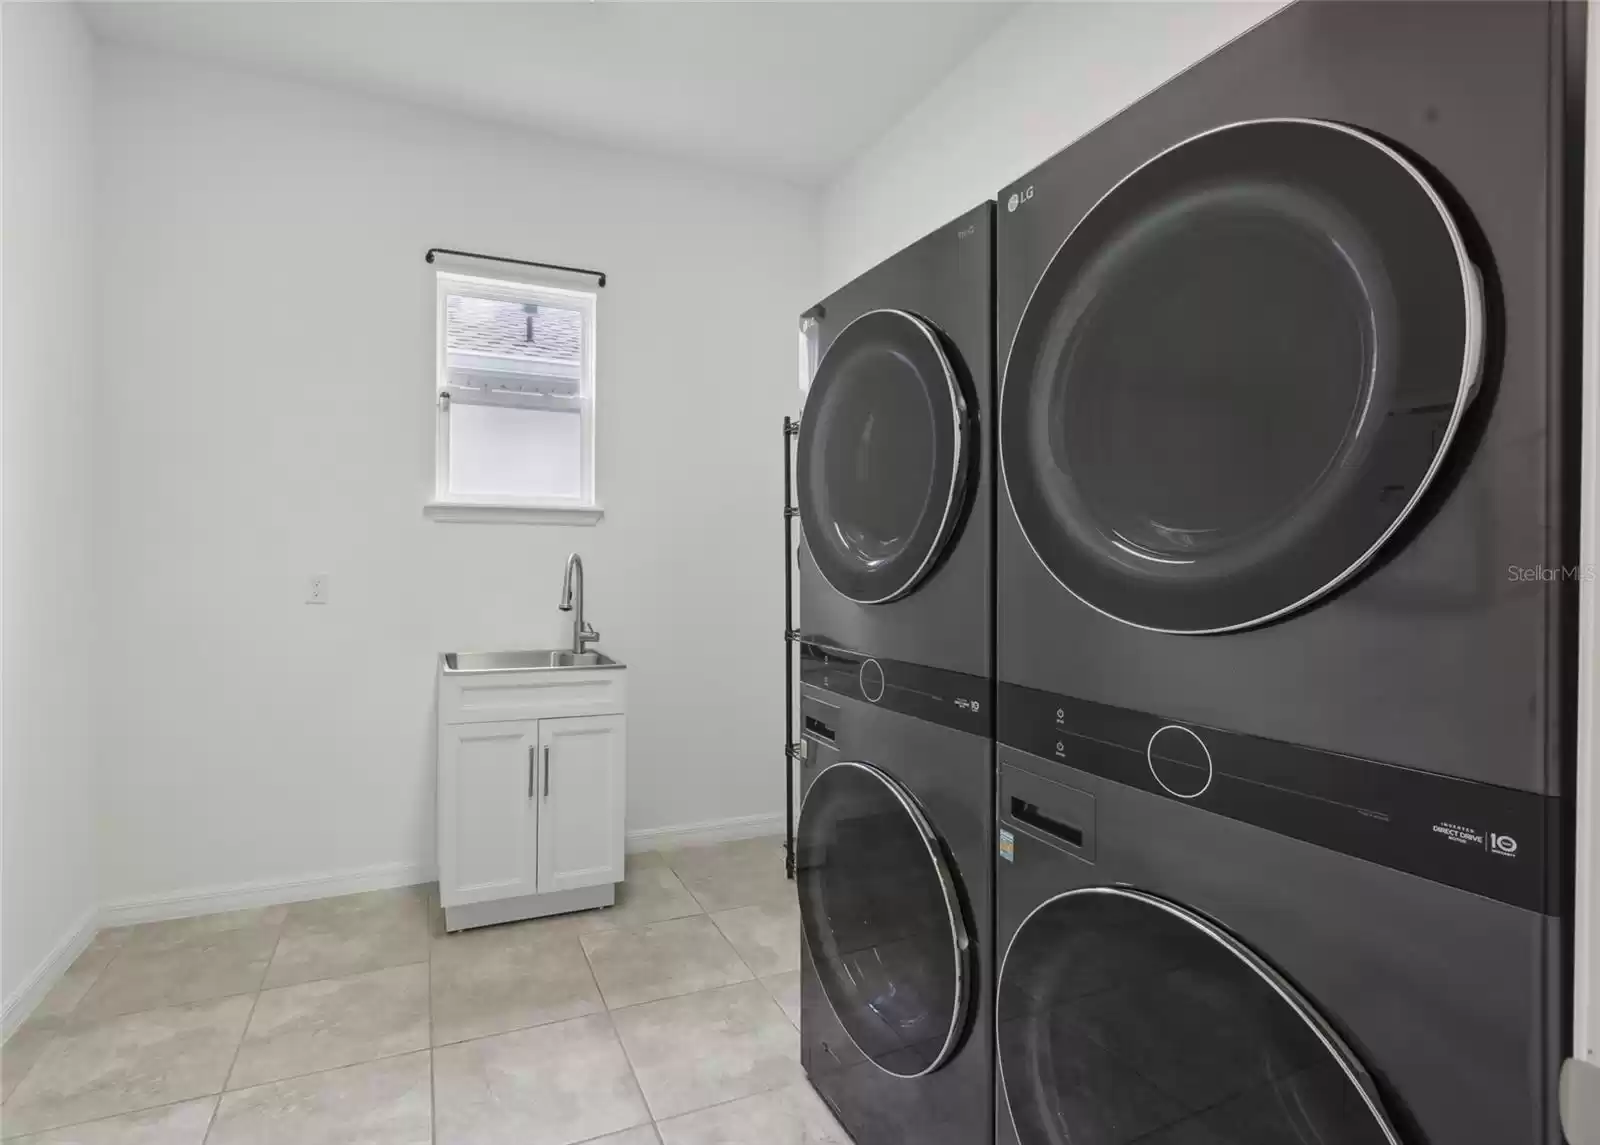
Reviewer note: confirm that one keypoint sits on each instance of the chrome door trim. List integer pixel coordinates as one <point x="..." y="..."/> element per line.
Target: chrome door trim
<point x="1296" y="1001"/>
<point x="1466" y="389"/>
<point x="958" y="421"/>
<point x="961" y="942"/>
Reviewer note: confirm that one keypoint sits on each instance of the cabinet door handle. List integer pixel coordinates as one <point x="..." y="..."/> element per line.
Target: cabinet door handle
<point x="531" y="766"/>
<point x="547" y="773"/>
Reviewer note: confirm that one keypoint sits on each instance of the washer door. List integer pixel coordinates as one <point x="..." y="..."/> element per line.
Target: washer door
<point x="1238" y="375"/>
<point x="883" y="455"/>
<point x="881" y="917"/>
<point x="1124" y="1017"/>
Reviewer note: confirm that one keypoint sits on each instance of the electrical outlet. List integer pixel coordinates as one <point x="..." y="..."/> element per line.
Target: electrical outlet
<point x="317" y="589"/>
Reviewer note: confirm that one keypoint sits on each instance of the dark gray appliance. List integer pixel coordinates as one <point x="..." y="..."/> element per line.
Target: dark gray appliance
<point x="893" y="858"/>
<point x="893" y="470"/>
<point x="893" y="854"/>
<point x="1287" y="431"/>
<point x="1173" y="975"/>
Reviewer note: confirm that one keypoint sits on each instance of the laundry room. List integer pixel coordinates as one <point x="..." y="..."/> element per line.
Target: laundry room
<point x="1180" y="419"/>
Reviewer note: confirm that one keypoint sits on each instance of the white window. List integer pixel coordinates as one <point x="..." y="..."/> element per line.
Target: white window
<point x="515" y="394"/>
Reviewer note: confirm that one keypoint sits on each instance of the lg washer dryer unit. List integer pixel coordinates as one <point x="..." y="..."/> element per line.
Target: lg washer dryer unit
<point x="893" y="476"/>
<point x="1288" y="438"/>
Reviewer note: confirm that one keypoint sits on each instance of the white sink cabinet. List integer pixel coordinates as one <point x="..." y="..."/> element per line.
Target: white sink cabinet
<point x="532" y="791"/>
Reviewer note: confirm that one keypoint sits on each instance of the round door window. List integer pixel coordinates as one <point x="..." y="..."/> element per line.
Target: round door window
<point x="881" y="917"/>
<point x="1122" y="1017"/>
<point x="1238" y="375"/>
<point x="882" y="456"/>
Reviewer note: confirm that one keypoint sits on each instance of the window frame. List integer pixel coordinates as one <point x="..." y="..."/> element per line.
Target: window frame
<point x="446" y="505"/>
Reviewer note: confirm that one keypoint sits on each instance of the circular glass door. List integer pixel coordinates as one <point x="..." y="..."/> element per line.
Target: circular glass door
<point x="880" y="914"/>
<point x="1123" y="1017"/>
<point x="882" y="456"/>
<point x="1238" y="375"/>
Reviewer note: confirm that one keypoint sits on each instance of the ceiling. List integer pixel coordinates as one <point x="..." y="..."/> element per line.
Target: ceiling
<point x="787" y="89"/>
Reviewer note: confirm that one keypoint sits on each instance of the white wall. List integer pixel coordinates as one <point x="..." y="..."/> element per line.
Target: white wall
<point x="49" y="890"/>
<point x="265" y="413"/>
<point x="1047" y="76"/>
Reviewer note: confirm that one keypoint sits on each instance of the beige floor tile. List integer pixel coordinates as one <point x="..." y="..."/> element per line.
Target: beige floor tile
<point x="794" y="1115"/>
<point x="706" y="1048"/>
<point x="785" y="990"/>
<point x="330" y="938"/>
<point x="637" y="860"/>
<point x="24" y="1047"/>
<point x="334" y="1022"/>
<point x="551" y="1085"/>
<point x="79" y="979"/>
<point x="504" y="978"/>
<point x="182" y="1124"/>
<point x="573" y="924"/>
<point x="639" y="1135"/>
<point x="385" y="1102"/>
<point x="648" y="894"/>
<point x="726" y="875"/>
<point x="178" y="931"/>
<point x="124" y="1064"/>
<point x="767" y="935"/>
<point x="202" y="965"/>
<point x="661" y="960"/>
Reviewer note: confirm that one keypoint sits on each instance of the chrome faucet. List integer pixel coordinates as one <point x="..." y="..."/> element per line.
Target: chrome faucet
<point x="572" y="601"/>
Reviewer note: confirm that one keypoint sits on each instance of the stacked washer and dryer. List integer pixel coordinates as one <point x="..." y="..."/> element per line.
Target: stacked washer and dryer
<point x="894" y="841"/>
<point x="1283" y="681"/>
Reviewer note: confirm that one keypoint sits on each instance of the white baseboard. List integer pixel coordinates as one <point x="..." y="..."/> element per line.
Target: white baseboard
<point x="27" y="996"/>
<point x="711" y="831"/>
<point x="266" y="892"/>
<point x="271" y="892"/>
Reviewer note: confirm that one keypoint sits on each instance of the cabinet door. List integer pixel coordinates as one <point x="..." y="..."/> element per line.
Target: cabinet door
<point x="581" y="802"/>
<point x="488" y="811"/>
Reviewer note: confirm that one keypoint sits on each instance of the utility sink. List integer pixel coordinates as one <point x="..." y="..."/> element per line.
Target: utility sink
<point x="541" y="659"/>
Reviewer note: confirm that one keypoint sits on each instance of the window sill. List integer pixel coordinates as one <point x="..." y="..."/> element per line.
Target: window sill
<point x="499" y="513"/>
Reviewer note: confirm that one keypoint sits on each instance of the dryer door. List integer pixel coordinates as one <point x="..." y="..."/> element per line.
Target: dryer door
<point x="881" y="916"/>
<point x="883" y="455"/>
<point x="1238" y="375"/>
<point x="1122" y="1016"/>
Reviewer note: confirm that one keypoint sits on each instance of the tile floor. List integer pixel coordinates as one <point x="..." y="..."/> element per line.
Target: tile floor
<point x="669" y="1019"/>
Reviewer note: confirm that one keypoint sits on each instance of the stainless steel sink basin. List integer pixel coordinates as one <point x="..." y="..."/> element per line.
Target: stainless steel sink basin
<point x="542" y="659"/>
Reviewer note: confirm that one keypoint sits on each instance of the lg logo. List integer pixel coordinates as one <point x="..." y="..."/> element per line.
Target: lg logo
<point x="1502" y="844"/>
<point x="1018" y="198"/>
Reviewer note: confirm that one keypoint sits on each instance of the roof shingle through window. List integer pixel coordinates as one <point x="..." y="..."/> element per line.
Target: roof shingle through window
<point x="491" y="326"/>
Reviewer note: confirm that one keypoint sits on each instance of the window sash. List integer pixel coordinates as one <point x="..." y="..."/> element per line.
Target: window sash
<point x="481" y="388"/>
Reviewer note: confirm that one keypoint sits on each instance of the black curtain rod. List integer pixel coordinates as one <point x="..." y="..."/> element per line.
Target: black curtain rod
<point x="598" y="274"/>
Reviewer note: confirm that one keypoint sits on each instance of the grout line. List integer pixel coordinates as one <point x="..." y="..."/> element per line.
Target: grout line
<point x="605" y="1008"/>
<point x="425" y="960"/>
<point x="264" y="1084"/>
<point x="633" y="1070"/>
<point x="114" y="1117"/>
<point x="243" y="1034"/>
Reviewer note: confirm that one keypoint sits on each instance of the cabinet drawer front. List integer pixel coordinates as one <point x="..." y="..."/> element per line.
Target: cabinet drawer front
<point x="530" y="695"/>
